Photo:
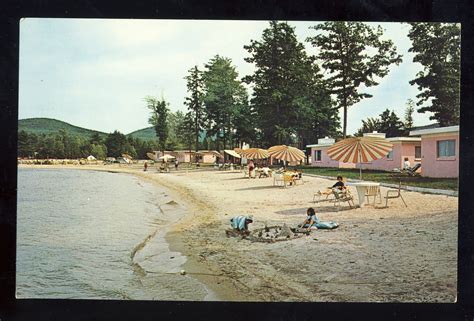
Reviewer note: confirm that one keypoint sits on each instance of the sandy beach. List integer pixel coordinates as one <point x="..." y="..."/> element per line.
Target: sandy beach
<point x="394" y="254"/>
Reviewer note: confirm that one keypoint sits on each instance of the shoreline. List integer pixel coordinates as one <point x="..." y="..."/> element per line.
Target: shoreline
<point x="217" y="287"/>
<point x="394" y="254"/>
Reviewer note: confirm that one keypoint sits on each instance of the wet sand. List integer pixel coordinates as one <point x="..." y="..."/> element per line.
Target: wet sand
<point x="394" y="254"/>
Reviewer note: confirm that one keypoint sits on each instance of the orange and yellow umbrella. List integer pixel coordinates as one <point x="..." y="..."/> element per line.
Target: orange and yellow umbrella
<point x="286" y="153"/>
<point x="253" y="153"/>
<point x="360" y="149"/>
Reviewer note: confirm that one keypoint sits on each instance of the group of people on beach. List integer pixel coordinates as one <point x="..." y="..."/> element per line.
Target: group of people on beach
<point x="240" y="223"/>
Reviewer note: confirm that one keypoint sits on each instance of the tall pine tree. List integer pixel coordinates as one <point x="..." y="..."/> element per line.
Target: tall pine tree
<point x="286" y="97"/>
<point x="224" y="97"/>
<point x="437" y="46"/>
<point x="345" y="48"/>
<point x="159" y="119"/>
<point x="194" y="103"/>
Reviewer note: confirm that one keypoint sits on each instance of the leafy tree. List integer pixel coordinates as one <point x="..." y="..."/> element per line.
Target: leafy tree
<point x="388" y="123"/>
<point x="99" y="151"/>
<point x="437" y="46"/>
<point x="159" y="119"/>
<point x="194" y="102"/>
<point x="224" y="96"/>
<point x="344" y="49"/>
<point x="186" y="129"/>
<point x="287" y="86"/>
<point x="244" y="124"/>
<point x="27" y="144"/>
<point x="115" y="143"/>
<point x="96" y="139"/>
<point x="368" y="126"/>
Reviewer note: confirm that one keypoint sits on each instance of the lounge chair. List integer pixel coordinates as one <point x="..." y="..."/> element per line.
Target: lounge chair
<point x="336" y="197"/>
<point x="411" y="171"/>
<point x="343" y="196"/>
<point x="395" y="193"/>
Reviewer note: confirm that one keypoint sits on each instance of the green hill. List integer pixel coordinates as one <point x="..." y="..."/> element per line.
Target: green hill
<point x="52" y="126"/>
<point x="144" y="134"/>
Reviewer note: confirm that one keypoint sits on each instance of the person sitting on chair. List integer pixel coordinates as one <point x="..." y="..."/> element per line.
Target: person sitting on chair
<point x="338" y="187"/>
<point x="406" y="163"/>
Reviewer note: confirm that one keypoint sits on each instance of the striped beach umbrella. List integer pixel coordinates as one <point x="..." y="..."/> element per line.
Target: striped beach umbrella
<point x="359" y="149"/>
<point x="286" y="153"/>
<point x="253" y="153"/>
<point x="151" y="156"/>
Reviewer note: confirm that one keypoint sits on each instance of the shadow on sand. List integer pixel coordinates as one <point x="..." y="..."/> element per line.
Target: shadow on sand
<point x="255" y="188"/>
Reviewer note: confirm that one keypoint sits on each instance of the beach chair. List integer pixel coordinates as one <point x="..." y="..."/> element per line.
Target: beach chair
<point x="277" y="178"/>
<point x="288" y="180"/>
<point x="342" y="197"/>
<point x="373" y="191"/>
<point x="395" y="193"/>
<point x="412" y="171"/>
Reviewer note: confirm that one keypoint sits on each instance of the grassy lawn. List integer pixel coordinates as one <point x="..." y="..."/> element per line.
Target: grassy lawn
<point x="384" y="177"/>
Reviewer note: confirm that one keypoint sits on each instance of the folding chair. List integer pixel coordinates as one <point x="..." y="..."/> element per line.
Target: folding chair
<point x="395" y="193"/>
<point x="373" y="191"/>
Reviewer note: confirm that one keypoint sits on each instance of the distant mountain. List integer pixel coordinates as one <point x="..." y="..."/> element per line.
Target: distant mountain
<point x="52" y="126"/>
<point x="144" y="134"/>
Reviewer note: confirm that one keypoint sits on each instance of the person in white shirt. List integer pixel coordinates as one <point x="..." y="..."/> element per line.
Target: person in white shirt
<point x="406" y="163"/>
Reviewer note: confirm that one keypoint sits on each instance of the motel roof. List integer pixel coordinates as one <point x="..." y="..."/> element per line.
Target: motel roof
<point x="404" y="139"/>
<point x="431" y="131"/>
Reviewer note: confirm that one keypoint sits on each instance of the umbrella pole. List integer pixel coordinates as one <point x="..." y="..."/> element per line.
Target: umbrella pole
<point x="360" y="165"/>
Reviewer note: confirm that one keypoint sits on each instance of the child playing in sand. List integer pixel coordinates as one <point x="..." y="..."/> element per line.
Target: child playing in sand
<point x="240" y="225"/>
<point x="312" y="220"/>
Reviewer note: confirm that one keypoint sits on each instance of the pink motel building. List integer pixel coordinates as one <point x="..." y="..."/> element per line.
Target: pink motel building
<point x="403" y="147"/>
<point x="320" y="158"/>
<point x="439" y="151"/>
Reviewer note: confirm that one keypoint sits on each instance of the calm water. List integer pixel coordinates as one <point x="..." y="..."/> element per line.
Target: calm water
<point x="97" y="235"/>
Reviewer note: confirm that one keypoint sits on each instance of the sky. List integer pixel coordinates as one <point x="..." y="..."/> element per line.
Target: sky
<point x="95" y="73"/>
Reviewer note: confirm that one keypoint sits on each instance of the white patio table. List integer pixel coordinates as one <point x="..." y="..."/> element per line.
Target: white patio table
<point x="361" y="189"/>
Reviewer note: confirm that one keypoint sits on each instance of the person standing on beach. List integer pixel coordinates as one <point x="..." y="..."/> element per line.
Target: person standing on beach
<point x="176" y="163"/>
<point x="145" y="166"/>
<point x="251" y="167"/>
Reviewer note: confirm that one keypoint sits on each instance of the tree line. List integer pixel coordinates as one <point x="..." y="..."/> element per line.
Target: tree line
<point x="62" y="145"/>
<point x="295" y="97"/>
<point x="292" y="97"/>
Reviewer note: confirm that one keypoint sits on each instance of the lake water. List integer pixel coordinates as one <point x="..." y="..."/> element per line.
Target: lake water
<point x="97" y="235"/>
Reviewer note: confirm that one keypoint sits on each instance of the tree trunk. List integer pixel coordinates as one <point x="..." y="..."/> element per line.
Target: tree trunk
<point x="345" y="121"/>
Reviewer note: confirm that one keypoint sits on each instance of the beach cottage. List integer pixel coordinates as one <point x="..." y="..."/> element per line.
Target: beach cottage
<point x="184" y="156"/>
<point x="320" y="158"/>
<point x="439" y="151"/>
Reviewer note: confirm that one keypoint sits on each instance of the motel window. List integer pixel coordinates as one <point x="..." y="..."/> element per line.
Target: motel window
<point x="446" y="148"/>
<point x="417" y="151"/>
<point x="317" y="155"/>
<point x="390" y="155"/>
